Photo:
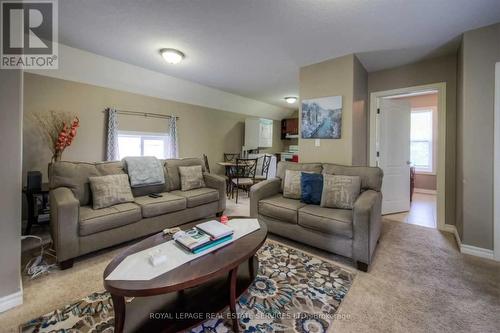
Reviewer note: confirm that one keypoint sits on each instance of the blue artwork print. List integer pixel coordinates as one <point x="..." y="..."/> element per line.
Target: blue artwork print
<point x="322" y="118"/>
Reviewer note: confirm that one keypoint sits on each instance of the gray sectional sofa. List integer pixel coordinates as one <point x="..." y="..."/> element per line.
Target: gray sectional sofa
<point x="78" y="229"/>
<point x="351" y="233"/>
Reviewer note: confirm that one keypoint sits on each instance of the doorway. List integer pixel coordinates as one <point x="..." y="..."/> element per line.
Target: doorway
<point x="407" y="140"/>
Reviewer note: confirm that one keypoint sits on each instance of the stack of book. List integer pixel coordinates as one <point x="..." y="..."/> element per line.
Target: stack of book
<point x="204" y="236"/>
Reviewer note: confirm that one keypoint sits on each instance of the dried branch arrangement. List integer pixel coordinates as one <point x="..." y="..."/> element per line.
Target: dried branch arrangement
<point x="58" y="129"/>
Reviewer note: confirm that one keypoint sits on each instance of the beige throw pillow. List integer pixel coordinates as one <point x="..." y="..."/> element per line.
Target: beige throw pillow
<point x="340" y="191"/>
<point x="110" y="190"/>
<point x="191" y="177"/>
<point x="291" y="187"/>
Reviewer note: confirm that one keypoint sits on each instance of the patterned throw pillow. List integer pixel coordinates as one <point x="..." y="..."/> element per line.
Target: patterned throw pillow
<point x="311" y="185"/>
<point x="291" y="188"/>
<point x="340" y="191"/>
<point x="191" y="177"/>
<point x="110" y="190"/>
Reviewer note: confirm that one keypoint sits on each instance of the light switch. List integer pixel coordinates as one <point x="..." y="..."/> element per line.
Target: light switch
<point x="316" y="143"/>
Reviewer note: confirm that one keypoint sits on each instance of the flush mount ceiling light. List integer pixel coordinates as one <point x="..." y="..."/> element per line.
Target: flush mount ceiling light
<point x="172" y="56"/>
<point x="291" y="99"/>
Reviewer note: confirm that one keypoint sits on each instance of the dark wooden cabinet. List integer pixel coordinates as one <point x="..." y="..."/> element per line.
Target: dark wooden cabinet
<point x="289" y="127"/>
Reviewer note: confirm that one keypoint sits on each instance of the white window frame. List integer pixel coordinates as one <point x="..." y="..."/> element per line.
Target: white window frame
<point x="434" y="143"/>
<point x="147" y="135"/>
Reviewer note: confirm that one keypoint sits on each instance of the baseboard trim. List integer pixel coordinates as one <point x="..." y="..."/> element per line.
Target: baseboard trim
<point x="10" y="301"/>
<point x="468" y="249"/>
<point x="452" y="229"/>
<point x="424" y="191"/>
<point x="477" y="251"/>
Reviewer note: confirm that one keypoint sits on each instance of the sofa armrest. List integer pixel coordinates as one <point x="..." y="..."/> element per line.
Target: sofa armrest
<point x="218" y="183"/>
<point x="64" y="215"/>
<point x="261" y="191"/>
<point x="366" y="225"/>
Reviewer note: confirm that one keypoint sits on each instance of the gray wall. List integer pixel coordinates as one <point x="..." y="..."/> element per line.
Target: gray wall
<point x="442" y="69"/>
<point x="333" y="77"/>
<point x="480" y="51"/>
<point x="346" y="77"/>
<point x="10" y="178"/>
<point x="201" y="130"/>
<point x="426" y="182"/>
<point x="360" y="115"/>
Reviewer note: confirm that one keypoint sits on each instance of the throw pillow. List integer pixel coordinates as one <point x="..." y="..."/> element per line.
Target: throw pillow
<point x="311" y="186"/>
<point x="340" y="191"/>
<point x="291" y="188"/>
<point x="191" y="177"/>
<point x="110" y="190"/>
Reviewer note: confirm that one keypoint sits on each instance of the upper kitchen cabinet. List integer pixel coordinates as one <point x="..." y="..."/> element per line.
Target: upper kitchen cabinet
<point x="290" y="128"/>
<point x="258" y="133"/>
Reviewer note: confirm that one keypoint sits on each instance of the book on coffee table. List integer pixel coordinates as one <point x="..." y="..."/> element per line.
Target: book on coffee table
<point x="215" y="229"/>
<point x="224" y="240"/>
<point x="192" y="239"/>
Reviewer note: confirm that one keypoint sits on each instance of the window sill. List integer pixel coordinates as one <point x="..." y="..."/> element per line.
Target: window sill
<point x="428" y="173"/>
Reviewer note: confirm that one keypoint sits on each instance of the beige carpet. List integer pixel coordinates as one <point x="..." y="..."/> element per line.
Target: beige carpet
<point x="419" y="282"/>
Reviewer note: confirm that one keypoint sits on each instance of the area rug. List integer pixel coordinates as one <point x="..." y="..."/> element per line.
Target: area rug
<point x="293" y="292"/>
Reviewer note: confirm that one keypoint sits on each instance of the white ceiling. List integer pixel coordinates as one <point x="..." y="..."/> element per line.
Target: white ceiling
<point x="255" y="48"/>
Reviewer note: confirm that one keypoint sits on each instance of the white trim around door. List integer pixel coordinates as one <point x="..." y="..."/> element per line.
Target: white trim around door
<point x="496" y="167"/>
<point x="441" y="90"/>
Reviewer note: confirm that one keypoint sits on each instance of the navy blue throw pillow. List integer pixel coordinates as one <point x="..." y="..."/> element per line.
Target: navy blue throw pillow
<point x="311" y="186"/>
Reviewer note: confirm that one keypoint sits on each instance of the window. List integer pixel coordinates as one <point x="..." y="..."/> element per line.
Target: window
<point x="143" y="144"/>
<point x="422" y="149"/>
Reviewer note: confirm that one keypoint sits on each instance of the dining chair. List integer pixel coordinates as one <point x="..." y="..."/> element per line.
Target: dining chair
<point x="242" y="176"/>
<point x="266" y="162"/>
<point x="205" y="160"/>
<point x="231" y="157"/>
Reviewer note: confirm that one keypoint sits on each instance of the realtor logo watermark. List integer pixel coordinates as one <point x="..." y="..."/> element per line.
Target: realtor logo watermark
<point x="29" y="34"/>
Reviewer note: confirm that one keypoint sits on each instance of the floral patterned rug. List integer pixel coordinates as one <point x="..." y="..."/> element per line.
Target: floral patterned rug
<point x="293" y="292"/>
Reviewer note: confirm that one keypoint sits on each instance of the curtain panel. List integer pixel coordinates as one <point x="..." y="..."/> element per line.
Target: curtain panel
<point x="174" y="144"/>
<point x="112" y="153"/>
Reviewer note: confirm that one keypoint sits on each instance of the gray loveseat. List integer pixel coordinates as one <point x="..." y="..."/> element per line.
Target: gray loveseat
<point x="351" y="233"/>
<point x="78" y="229"/>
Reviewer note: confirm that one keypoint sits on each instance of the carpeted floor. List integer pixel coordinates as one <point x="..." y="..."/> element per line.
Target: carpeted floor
<point x="419" y="282"/>
<point x="292" y="291"/>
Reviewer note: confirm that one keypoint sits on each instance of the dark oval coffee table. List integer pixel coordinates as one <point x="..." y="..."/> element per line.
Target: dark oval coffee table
<point x="189" y="294"/>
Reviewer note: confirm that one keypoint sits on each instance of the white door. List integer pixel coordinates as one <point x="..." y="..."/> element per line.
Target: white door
<point x="393" y="147"/>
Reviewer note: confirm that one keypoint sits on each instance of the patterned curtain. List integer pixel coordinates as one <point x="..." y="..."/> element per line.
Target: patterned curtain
<point x="174" y="144"/>
<point x="112" y="139"/>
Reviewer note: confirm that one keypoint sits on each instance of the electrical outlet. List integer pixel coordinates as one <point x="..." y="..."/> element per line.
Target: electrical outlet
<point x="317" y="143"/>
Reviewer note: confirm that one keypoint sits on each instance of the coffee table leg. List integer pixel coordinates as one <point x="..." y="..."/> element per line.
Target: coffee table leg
<point x="232" y="298"/>
<point x="119" y="306"/>
<point x="251" y="268"/>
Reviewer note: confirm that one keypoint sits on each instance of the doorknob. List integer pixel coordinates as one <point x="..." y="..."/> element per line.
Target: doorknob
<point x="408" y="162"/>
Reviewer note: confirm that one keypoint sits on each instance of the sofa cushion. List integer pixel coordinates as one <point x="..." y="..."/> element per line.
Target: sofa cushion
<point x="371" y="177"/>
<point x="172" y="168"/>
<point x="311" y="187"/>
<point x="96" y="220"/>
<point x="340" y="191"/>
<point x="75" y="176"/>
<point x="110" y="168"/>
<point x="191" y="177"/>
<point x="167" y="203"/>
<point x="110" y="190"/>
<point x="280" y="208"/>
<point x="305" y="167"/>
<point x="199" y="196"/>
<point x="327" y="220"/>
<point x="291" y="184"/>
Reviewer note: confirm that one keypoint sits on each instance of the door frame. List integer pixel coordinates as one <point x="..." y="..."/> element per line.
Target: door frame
<point x="496" y="165"/>
<point x="440" y="87"/>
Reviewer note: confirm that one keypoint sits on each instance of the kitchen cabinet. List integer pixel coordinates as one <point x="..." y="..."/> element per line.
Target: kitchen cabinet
<point x="258" y="133"/>
<point x="289" y="128"/>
